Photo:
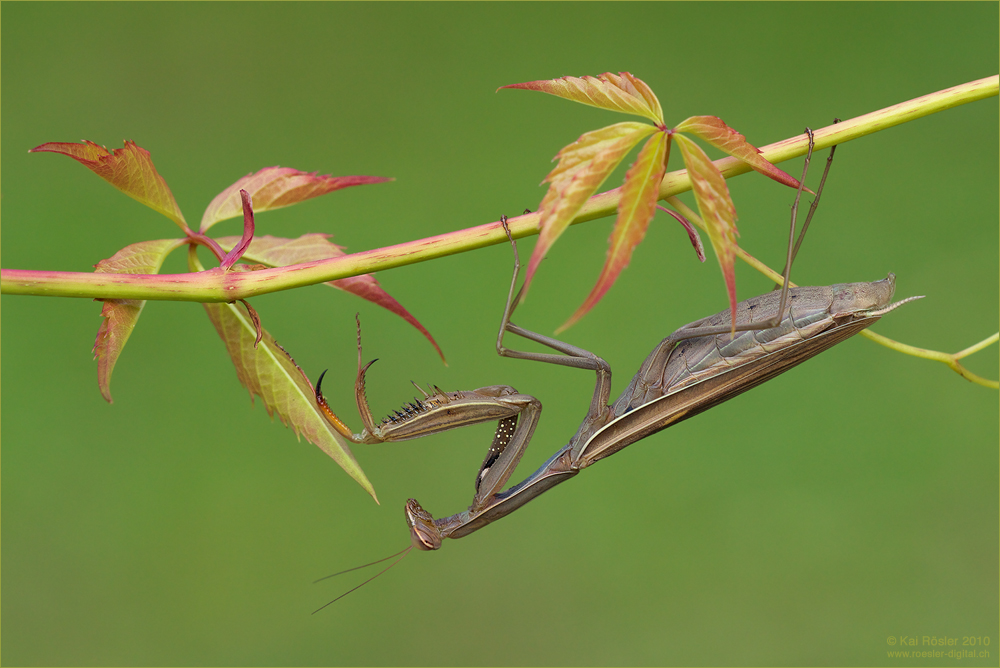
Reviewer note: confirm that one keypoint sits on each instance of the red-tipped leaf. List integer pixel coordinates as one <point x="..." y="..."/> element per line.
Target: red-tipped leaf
<point x="714" y="130"/>
<point x="717" y="210"/>
<point x="280" y="252"/>
<point x="270" y="373"/>
<point x="130" y="169"/>
<point x="276" y="187"/>
<point x="121" y="315"/>
<point x="583" y="166"/>
<point x="614" y="92"/>
<point x="635" y="210"/>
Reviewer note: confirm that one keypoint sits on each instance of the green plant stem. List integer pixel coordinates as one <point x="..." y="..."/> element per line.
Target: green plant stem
<point x="215" y="285"/>
<point x="951" y="359"/>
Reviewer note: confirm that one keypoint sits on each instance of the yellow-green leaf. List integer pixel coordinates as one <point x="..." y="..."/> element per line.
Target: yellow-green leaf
<point x="130" y="169"/>
<point x="583" y="166"/>
<point x="121" y="315"/>
<point x="635" y="210"/>
<point x="269" y="372"/>
<point x="277" y="187"/>
<point x="716" y="208"/>
<point x="614" y="92"/>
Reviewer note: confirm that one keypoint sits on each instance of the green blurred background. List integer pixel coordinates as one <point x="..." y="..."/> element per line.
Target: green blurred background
<point x="852" y="499"/>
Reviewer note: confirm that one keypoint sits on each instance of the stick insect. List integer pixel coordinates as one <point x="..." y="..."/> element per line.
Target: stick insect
<point x="701" y="365"/>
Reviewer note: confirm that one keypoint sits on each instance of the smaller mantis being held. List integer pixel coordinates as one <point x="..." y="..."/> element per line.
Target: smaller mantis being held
<point x="697" y="367"/>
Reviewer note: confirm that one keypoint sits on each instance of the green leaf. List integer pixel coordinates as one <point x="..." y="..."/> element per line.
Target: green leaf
<point x="277" y="187"/>
<point x="269" y="372"/>
<point x="614" y="92"/>
<point x="717" y="210"/>
<point x="280" y="252"/>
<point x="713" y="130"/>
<point x="129" y="169"/>
<point x="583" y="166"/>
<point x="635" y="209"/>
<point x="121" y="315"/>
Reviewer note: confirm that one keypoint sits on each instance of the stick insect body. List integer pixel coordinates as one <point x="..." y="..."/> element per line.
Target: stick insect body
<point x="697" y="367"/>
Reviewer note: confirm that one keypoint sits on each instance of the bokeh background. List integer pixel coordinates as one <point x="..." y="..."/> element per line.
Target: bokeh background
<point x="806" y="522"/>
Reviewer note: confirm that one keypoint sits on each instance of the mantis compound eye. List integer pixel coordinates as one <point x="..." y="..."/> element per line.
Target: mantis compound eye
<point x="424" y="534"/>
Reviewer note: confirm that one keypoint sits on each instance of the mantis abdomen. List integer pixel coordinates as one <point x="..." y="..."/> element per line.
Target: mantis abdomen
<point x="675" y="364"/>
<point x="682" y="377"/>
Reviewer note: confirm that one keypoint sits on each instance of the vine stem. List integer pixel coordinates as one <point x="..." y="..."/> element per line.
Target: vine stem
<point x="215" y="285"/>
<point x="951" y="359"/>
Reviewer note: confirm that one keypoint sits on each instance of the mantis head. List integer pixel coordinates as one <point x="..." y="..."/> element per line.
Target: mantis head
<point x="424" y="534"/>
<point x="866" y="299"/>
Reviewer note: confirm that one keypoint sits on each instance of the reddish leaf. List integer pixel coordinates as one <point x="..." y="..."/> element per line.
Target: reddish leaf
<point x="692" y="232"/>
<point x="129" y="169"/>
<point x="716" y="208"/>
<point x="713" y="130"/>
<point x="276" y="187"/>
<point x="583" y="166"/>
<point x="121" y="315"/>
<point x="240" y="248"/>
<point x="279" y="252"/>
<point x="267" y="371"/>
<point x="615" y="92"/>
<point x="635" y="210"/>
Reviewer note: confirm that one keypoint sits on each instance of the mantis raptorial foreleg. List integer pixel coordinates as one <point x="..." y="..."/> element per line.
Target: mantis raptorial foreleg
<point x="516" y="414"/>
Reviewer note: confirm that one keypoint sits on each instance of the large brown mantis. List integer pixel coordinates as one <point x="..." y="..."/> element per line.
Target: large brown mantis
<point x="697" y="367"/>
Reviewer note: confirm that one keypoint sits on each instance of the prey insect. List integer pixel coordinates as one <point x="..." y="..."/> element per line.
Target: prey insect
<point x="699" y="366"/>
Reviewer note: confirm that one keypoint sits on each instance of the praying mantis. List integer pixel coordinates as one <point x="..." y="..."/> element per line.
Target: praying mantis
<point x="701" y="365"/>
